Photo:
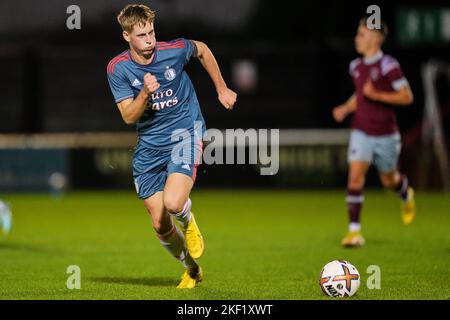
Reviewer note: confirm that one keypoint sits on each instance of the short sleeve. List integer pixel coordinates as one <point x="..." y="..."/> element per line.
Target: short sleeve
<point x="391" y="69"/>
<point x="353" y="65"/>
<point x="188" y="50"/>
<point x="120" y="88"/>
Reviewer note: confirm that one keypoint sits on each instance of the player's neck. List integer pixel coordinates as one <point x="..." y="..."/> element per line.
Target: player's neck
<point x="139" y="58"/>
<point x="372" y="52"/>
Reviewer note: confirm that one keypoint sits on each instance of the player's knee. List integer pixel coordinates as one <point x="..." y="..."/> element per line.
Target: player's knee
<point x="174" y="204"/>
<point x="388" y="181"/>
<point x="356" y="182"/>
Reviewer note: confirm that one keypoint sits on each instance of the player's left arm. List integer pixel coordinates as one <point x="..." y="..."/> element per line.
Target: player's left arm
<point x="227" y="97"/>
<point x="402" y="96"/>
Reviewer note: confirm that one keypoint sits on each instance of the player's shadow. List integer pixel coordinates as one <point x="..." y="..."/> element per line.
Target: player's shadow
<point x="149" y="282"/>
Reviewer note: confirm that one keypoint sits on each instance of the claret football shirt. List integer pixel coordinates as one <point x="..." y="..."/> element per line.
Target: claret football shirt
<point x="374" y="117"/>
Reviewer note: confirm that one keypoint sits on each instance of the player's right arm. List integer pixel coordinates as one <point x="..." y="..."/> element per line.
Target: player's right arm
<point x="342" y="111"/>
<point x="132" y="109"/>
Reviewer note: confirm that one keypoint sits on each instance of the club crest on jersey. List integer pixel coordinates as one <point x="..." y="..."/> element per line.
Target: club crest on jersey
<point x="170" y="74"/>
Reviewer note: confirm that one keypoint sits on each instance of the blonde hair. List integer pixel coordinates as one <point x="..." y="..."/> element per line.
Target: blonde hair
<point x="134" y="14"/>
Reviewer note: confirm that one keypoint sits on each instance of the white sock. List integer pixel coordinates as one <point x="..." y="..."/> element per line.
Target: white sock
<point x="354" y="227"/>
<point x="174" y="242"/>
<point x="184" y="217"/>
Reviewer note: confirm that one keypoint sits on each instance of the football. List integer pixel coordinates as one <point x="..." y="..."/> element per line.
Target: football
<point x="339" y="278"/>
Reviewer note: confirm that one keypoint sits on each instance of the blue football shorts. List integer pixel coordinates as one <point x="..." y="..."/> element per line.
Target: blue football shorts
<point x="382" y="151"/>
<point x="151" y="167"/>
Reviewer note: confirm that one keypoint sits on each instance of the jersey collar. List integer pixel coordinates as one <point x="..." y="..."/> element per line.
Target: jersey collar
<point x="373" y="59"/>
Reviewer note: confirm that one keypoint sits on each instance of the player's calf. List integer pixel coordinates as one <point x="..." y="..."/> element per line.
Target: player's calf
<point x="194" y="238"/>
<point x="162" y="229"/>
<point x="175" y="244"/>
<point x="396" y="181"/>
<point x="176" y="197"/>
<point x="176" y="190"/>
<point x="401" y="186"/>
<point x="399" y="183"/>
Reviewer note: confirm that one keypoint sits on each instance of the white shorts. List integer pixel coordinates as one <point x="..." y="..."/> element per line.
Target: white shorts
<point x="382" y="151"/>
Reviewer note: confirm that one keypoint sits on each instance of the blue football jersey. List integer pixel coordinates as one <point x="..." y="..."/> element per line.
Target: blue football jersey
<point x="173" y="107"/>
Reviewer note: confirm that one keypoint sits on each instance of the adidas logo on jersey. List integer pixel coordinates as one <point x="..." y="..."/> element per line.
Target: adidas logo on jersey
<point x="136" y="83"/>
<point x="186" y="166"/>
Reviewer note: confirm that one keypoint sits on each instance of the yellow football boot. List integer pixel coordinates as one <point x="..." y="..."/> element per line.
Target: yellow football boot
<point x="190" y="278"/>
<point x="353" y="239"/>
<point x="409" y="208"/>
<point x="194" y="239"/>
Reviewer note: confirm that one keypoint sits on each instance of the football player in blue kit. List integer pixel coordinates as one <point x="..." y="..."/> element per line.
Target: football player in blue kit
<point x="153" y="91"/>
<point x="5" y="217"/>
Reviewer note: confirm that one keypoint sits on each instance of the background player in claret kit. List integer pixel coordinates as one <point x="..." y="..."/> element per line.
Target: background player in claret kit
<point x="152" y="89"/>
<point x="379" y="86"/>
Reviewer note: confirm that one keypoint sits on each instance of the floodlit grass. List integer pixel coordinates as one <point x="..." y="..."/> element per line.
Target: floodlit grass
<point x="259" y="245"/>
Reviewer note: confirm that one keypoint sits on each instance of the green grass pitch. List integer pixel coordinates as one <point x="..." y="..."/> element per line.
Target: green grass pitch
<point x="259" y="245"/>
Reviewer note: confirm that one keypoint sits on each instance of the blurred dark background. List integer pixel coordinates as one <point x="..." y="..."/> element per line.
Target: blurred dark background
<point x="54" y="79"/>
